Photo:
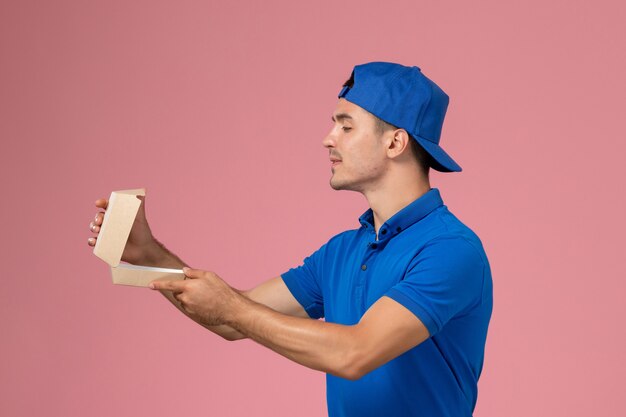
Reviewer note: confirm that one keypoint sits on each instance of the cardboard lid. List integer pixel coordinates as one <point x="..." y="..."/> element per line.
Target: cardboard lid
<point x="141" y="276"/>
<point x="116" y="225"/>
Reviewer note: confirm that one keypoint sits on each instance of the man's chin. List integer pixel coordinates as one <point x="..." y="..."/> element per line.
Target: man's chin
<point x="336" y="185"/>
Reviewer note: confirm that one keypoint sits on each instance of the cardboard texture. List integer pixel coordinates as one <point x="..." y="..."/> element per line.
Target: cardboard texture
<point x="114" y="231"/>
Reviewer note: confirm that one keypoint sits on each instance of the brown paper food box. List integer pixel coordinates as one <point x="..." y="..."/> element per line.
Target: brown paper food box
<point x="114" y="231"/>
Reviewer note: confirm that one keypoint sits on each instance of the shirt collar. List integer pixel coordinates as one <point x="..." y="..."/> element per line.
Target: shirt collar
<point x="405" y="217"/>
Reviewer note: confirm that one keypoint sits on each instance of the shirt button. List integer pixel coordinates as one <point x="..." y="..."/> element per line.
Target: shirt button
<point x="363" y="267"/>
<point x="398" y="229"/>
<point x="384" y="231"/>
<point x="374" y="245"/>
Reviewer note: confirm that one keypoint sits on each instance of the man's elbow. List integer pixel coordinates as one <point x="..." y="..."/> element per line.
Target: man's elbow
<point x="351" y="373"/>
<point x="352" y="366"/>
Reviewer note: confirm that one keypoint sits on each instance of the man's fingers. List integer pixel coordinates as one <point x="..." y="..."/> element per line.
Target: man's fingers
<point x="99" y="218"/>
<point x="93" y="227"/>
<point x="102" y="203"/>
<point x="95" y="224"/>
<point x="167" y="285"/>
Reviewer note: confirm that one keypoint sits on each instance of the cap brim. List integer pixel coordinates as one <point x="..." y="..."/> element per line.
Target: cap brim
<point x="441" y="160"/>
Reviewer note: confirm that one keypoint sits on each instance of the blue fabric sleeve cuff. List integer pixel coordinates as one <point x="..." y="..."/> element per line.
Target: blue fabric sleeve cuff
<point x="313" y="309"/>
<point x="413" y="307"/>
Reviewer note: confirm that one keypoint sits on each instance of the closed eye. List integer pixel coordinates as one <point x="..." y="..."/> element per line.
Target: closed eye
<point x="346" y="128"/>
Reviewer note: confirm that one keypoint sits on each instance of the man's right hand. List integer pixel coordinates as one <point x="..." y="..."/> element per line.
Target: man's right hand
<point x="141" y="247"/>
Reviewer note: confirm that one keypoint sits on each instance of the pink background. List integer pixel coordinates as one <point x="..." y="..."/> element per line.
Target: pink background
<point x="219" y="110"/>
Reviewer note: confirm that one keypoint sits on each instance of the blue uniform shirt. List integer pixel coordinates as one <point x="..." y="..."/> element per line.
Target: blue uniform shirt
<point x="427" y="260"/>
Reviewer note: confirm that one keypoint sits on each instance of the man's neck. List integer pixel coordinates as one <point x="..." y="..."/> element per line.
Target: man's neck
<point x="388" y="200"/>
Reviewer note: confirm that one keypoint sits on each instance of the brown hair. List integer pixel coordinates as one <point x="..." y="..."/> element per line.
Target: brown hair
<point x="422" y="157"/>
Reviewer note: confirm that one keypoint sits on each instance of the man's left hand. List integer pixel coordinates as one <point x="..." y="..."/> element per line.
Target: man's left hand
<point x="203" y="295"/>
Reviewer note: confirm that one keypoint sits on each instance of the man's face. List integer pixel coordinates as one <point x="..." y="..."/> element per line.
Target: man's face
<point x="355" y="142"/>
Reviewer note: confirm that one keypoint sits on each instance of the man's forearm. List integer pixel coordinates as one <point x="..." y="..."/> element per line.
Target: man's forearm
<point x="159" y="256"/>
<point x="327" y="347"/>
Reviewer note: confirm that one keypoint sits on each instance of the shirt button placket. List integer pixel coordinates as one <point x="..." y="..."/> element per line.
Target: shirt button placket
<point x="368" y="258"/>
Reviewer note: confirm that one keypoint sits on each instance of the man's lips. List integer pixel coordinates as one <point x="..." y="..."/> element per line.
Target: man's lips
<point x="334" y="161"/>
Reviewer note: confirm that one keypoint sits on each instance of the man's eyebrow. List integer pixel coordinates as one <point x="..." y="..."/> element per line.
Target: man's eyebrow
<point x="341" y="116"/>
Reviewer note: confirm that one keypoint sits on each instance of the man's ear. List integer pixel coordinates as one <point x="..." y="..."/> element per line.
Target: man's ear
<point x="398" y="143"/>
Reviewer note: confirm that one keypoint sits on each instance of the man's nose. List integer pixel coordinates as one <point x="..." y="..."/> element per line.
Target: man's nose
<point x="329" y="140"/>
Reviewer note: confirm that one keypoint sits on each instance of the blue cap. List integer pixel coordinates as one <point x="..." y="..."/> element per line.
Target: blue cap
<point x="406" y="98"/>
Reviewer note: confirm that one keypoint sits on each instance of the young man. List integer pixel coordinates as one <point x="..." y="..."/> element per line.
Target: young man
<point x="406" y="297"/>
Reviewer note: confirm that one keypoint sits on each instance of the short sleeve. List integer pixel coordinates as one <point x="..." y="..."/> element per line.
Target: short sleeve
<point x="444" y="280"/>
<point x="304" y="282"/>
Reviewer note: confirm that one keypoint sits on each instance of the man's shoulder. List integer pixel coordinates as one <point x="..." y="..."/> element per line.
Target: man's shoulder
<point x="446" y="227"/>
<point x="450" y="224"/>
